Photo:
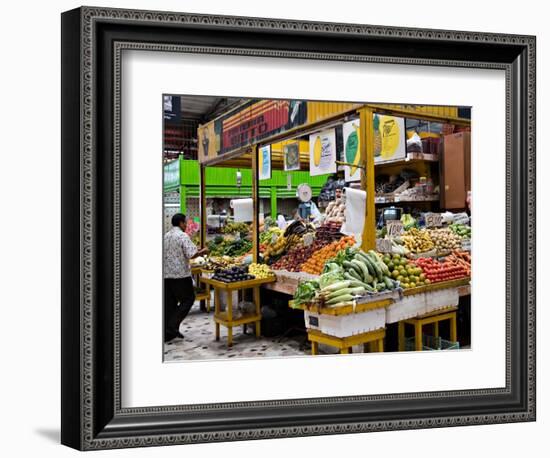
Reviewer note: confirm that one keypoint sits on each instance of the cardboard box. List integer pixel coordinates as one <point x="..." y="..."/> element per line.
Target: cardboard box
<point x="454" y="179"/>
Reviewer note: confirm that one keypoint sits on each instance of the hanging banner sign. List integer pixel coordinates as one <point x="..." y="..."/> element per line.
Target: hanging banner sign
<point x="322" y="153"/>
<point x="264" y="163"/>
<point x="389" y="138"/>
<point x="352" y="153"/>
<point x="248" y="124"/>
<point x="291" y="156"/>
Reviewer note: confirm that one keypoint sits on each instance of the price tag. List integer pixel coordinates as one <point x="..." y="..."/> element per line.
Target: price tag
<point x="467" y="244"/>
<point x="308" y="239"/>
<point x="237" y="236"/>
<point x="274" y="237"/>
<point x="394" y="228"/>
<point x="433" y="219"/>
<point x="383" y="245"/>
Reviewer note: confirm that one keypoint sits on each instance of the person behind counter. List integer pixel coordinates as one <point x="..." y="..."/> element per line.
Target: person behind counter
<point x="179" y="293"/>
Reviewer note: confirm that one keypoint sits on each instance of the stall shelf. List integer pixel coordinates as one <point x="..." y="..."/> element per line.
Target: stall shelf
<point x="227" y="317"/>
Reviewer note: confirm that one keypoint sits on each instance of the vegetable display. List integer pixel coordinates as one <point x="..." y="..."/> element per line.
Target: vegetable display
<point x="358" y="274"/>
<point x="445" y="239"/>
<point x="436" y="271"/>
<point x="461" y="230"/>
<point x="224" y="247"/>
<point x="232" y="274"/>
<point x="335" y="211"/>
<point x="408" y="274"/>
<point x="305" y="292"/>
<point x="417" y="240"/>
<point x="316" y="263"/>
<point x="461" y="258"/>
<point x="260" y="270"/>
<point x="233" y="227"/>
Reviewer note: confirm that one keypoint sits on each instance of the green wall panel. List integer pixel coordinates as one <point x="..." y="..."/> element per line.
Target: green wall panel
<point x="224" y="176"/>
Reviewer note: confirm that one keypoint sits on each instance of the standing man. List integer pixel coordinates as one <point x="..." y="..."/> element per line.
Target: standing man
<point x="179" y="293"/>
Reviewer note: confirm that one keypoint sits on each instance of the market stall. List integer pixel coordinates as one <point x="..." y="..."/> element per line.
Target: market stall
<point x="353" y="262"/>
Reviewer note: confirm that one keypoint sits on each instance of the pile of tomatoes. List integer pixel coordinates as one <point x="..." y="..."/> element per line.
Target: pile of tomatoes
<point x="437" y="271"/>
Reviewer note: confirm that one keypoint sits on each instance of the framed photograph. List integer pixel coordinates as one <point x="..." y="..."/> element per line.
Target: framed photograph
<point x="276" y="228"/>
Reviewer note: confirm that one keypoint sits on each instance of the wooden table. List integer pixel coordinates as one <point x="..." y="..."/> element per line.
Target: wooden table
<point x="226" y="318"/>
<point x="197" y="272"/>
<point x="373" y="338"/>
<point x="448" y="313"/>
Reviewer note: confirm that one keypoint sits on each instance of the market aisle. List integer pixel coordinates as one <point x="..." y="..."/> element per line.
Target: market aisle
<point x="199" y="342"/>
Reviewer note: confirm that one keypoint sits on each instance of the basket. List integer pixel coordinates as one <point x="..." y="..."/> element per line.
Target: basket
<point x="431" y="343"/>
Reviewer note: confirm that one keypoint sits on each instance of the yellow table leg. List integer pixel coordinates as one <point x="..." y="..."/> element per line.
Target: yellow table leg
<point x="453" y="328"/>
<point x="256" y="294"/>
<point x="314" y="348"/>
<point x="229" y="336"/>
<point x="208" y="300"/>
<point x="217" y="310"/>
<point x="381" y="345"/>
<point x="436" y="329"/>
<point x="344" y="351"/>
<point x="418" y="336"/>
<point x="401" y="336"/>
<point x="229" y="312"/>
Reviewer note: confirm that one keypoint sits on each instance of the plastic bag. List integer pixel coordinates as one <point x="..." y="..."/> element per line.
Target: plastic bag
<point x="414" y="144"/>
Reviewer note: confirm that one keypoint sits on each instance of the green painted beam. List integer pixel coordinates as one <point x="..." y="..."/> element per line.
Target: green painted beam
<point x="273" y="202"/>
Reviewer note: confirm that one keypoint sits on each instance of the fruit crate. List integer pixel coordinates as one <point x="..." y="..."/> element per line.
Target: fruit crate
<point x="431" y="343"/>
<point x="346" y="325"/>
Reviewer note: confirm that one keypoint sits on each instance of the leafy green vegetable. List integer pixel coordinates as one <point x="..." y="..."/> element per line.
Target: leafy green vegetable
<point x="305" y="291"/>
<point x="331" y="277"/>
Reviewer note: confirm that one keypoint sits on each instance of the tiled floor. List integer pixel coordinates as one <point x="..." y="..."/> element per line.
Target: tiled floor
<point x="199" y="342"/>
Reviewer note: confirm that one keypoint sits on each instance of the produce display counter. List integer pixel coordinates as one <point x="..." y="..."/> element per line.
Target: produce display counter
<point x="462" y="283"/>
<point x="343" y="327"/>
<point x="346" y="310"/>
<point x="287" y="282"/>
<point x="226" y="318"/>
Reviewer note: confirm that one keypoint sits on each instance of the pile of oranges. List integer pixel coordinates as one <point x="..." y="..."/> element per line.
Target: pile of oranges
<point x="316" y="263"/>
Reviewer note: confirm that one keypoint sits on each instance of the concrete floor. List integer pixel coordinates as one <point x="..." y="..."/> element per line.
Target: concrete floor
<point x="199" y="342"/>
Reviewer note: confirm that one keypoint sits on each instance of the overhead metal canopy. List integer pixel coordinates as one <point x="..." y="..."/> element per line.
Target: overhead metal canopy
<point x="202" y="108"/>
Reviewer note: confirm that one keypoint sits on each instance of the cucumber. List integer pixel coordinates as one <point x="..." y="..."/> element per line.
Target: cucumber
<point x="370" y="288"/>
<point x="378" y="270"/>
<point x="348" y="265"/>
<point x="335" y="286"/>
<point x="357" y="291"/>
<point x="357" y="284"/>
<point x="341" y="298"/>
<point x="353" y="273"/>
<point x="388" y="282"/>
<point x="363" y="267"/>
<point x="340" y="292"/>
<point x="369" y="264"/>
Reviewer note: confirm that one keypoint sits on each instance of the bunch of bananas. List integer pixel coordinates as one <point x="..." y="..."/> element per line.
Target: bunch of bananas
<point x="260" y="270"/>
<point x="293" y="241"/>
<point x="275" y="249"/>
<point x="417" y="241"/>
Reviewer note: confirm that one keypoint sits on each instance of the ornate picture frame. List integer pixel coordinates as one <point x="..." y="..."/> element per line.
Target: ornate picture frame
<point x="92" y="42"/>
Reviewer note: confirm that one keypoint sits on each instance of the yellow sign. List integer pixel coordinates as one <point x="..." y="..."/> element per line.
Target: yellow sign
<point x="389" y="138"/>
<point x="209" y="142"/>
